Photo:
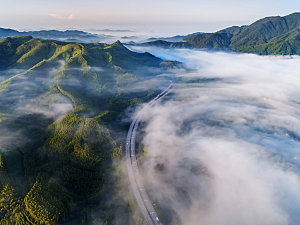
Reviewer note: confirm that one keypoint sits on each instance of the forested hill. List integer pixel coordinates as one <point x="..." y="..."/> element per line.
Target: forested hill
<point x="25" y="52"/>
<point x="62" y="107"/>
<point x="271" y="35"/>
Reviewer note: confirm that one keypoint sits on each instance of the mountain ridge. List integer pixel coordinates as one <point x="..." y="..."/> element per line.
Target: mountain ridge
<point x="270" y="35"/>
<point x="66" y="35"/>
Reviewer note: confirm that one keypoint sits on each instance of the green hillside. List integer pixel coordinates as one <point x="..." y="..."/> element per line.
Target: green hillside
<point x="61" y="113"/>
<point x="210" y="40"/>
<point x="25" y="52"/>
<point x="271" y="35"/>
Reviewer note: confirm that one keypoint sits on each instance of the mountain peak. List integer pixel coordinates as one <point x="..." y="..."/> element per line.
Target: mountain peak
<point x="118" y="43"/>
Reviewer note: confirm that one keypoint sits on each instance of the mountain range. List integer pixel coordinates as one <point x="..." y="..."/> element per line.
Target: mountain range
<point x="67" y="35"/>
<point x="176" y="38"/>
<point x="64" y="109"/>
<point x="271" y="35"/>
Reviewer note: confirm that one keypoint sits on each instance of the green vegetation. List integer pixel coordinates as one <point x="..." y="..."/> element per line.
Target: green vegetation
<point x="38" y="207"/>
<point x="210" y="40"/>
<point x="68" y="164"/>
<point x="12" y="209"/>
<point x="286" y="44"/>
<point x="2" y="163"/>
<point x="269" y="36"/>
<point x="80" y="139"/>
<point x="4" y="178"/>
<point x="171" y="65"/>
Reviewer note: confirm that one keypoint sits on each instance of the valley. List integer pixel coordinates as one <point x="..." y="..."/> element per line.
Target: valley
<point x="175" y="129"/>
<point x="63" y="112"/>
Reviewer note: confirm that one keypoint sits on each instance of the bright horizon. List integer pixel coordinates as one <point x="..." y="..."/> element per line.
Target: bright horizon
<point x="157" y="16"/>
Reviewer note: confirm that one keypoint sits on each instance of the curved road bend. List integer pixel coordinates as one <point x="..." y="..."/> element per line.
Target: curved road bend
<point x="136" y="184"/>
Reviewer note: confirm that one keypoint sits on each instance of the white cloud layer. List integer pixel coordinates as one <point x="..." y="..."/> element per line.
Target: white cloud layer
<point x="226" y="152"/>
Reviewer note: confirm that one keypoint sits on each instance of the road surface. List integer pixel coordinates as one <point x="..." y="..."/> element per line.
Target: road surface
<point x="136" y="184"/>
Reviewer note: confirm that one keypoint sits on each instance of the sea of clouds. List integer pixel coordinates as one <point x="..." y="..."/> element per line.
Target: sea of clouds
<point x="224" y="149"/>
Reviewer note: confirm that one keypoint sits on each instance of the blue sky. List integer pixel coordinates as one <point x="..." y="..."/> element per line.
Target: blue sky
<point x="173" y="15"/>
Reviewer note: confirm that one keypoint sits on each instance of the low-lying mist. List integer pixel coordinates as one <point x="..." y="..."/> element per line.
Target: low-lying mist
<point x="225" y="150"/>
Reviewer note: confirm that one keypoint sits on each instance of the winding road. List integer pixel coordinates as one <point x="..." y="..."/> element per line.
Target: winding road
<point x="137" y="187"/>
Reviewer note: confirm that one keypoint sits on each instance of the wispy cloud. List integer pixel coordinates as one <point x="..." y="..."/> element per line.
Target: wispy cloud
<point x="56" y="16"/>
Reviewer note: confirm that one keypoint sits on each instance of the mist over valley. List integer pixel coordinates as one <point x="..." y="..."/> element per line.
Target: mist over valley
<point x="117" y="114"/>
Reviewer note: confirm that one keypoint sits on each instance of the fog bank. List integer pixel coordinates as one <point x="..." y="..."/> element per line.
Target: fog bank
<point x="225" y="150"/>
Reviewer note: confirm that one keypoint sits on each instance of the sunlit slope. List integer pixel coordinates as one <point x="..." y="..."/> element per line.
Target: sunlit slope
<point x="271" y="35"/>
<point x="285" y="44"/>
<point x="102" y="68"/>
<point x="25" y="51"/>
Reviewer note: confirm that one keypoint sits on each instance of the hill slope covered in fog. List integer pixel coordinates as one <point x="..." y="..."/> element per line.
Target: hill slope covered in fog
<point x="61" y="107"/>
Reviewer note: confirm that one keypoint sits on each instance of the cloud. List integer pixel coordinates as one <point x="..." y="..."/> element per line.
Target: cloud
<point x="56" y="16"/>
<point x="224" y="150"/>
<point x="53" y="106"/>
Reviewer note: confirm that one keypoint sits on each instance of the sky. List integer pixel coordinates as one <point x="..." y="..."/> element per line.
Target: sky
<point x="174" y="16"/>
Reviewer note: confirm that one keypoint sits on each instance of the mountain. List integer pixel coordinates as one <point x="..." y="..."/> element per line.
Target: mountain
<point x="8" y="32"/>
<point x="177" y="38"/>
<point x="271" y="35"/>
<point x="111" y="30"/>
<point x="210" y="40"/>
<point x="68" y="35"/>
<point x="62" y="124"/>
<point x="166" y="44"/>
